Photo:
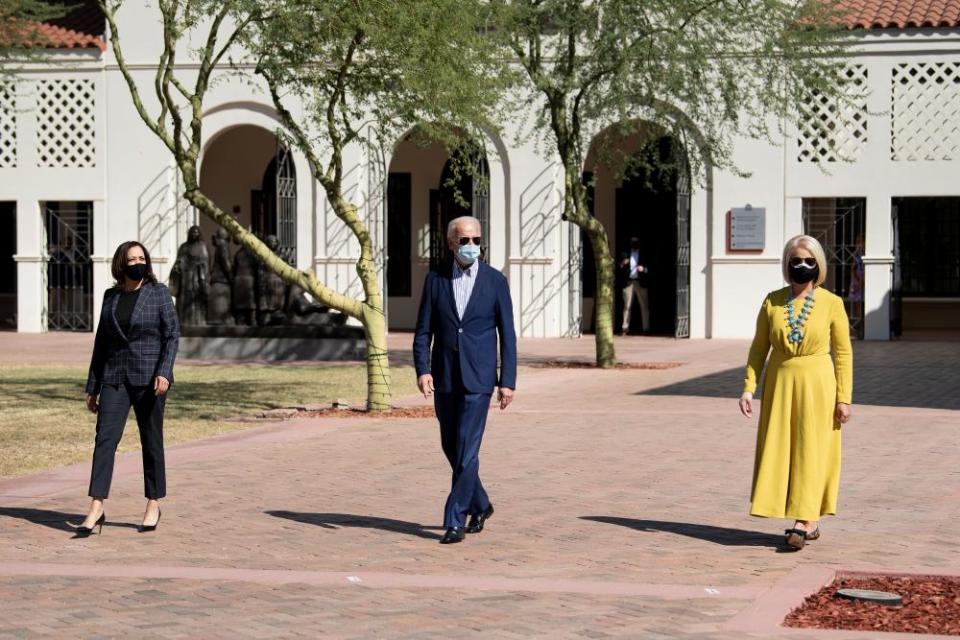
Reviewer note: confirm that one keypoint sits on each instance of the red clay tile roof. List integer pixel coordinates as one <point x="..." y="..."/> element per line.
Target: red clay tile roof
<point x="82" y="27"/>
<point x="900" y="14"/>
<point x="54" y="37"/>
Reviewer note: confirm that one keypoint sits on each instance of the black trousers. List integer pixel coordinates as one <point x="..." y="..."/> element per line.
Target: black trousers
<point x="115" y="403"/>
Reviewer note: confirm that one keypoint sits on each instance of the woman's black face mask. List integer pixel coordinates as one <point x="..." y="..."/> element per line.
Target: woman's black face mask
<point x="135" y="272"/>
<point x="802" y="272"/>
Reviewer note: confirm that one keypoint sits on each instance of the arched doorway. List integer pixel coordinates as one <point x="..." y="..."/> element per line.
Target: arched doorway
<point x="639" y="186"/>
<point x="459" y="193"/>
<point x="248" y="173"/>
<point x="428" y="186"/>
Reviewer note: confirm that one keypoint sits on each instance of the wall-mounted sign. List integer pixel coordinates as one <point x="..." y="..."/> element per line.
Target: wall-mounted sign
<point x="746" y="228"/>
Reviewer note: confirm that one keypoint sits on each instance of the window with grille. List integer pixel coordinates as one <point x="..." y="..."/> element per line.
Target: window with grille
<point x="839" y="225"/>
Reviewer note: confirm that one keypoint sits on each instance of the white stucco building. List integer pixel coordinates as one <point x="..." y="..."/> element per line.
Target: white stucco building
<point x="80" y="173"/>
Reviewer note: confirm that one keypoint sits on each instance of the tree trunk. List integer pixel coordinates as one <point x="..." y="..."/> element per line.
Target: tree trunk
<point x="604" y="297"/>
<point x="378" y="364"/>
<point x="577" y="212"/>
<point x="370" y="313"/>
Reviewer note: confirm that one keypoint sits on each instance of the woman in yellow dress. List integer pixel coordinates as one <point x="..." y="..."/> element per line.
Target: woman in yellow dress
<point x="806" y="394"/>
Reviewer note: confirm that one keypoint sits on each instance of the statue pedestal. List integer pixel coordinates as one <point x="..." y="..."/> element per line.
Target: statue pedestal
<point x="272" y="343"/>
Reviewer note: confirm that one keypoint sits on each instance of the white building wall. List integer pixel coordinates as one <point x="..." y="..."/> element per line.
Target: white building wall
<point x="136" y="194"/>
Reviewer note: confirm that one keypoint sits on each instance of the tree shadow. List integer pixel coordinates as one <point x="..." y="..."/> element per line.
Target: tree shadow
<point x="59" y="520"/>
<point x="718" y="535"/>
<point x="337" y="520"/>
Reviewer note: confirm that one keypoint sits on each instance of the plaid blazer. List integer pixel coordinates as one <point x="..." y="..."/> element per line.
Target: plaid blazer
<point x="146" y="351"/>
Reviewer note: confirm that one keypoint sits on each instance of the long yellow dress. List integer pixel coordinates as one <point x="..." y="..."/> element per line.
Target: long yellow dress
<point x="796" y="472"/>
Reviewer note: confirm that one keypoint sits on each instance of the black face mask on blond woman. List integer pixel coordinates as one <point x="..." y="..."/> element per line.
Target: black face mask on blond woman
<point x="803" y="270"/>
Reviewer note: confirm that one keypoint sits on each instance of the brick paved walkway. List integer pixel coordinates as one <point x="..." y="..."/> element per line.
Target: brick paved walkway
<point x="621" y="503"/>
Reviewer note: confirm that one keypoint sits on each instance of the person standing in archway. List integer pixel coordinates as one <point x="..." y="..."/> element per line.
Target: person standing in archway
<point x="465" y="307"/>
<point x="633" y="284"/>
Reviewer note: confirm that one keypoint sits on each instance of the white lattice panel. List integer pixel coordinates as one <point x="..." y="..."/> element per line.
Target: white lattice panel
<point x="925" y="111"/>
<point x="65" y="123"/>
<point x="8" y="126"/>
<point x="834" y="129"/>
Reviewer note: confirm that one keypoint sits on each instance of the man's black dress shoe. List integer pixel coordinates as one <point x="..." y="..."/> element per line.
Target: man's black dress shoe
<point x="477" y="520"/>
<point x="453" y="535"/>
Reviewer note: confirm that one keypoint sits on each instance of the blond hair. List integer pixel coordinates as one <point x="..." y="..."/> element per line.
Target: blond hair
<point x="816" y="250"/>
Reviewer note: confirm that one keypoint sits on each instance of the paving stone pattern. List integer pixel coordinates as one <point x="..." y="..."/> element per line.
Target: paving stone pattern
<point x="626" y="490"/>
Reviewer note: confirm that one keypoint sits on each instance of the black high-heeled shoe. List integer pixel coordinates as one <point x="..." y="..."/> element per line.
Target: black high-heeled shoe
<point x="143" y="528"/>
<point x="84" y="532"/>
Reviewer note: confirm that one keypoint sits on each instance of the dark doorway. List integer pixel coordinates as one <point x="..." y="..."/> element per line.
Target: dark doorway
<point x="457" y="196"/>
<point x="69" y="227"/>
<point x="927" y="266"/>
<point x="399" y="234"/>
<point x="8" y="267"/>
<point x="646" y="208"/>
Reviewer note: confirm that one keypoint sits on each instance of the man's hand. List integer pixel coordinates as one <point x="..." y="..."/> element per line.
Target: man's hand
<point x="160" y="385"/>
<point x="425" y="384"/>
<point x="92" y="403"/>
<point x="505" y="396"/>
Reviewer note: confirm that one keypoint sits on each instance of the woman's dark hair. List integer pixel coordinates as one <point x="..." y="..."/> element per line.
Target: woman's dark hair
<point x="120" y="261"/>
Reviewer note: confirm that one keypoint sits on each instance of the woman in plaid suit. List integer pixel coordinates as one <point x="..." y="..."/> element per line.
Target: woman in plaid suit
<point x="132" y="365"/>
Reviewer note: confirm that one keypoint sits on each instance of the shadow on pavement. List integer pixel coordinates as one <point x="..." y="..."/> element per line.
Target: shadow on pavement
<point x="718" y="535"/>
<point x="337" y="520"/>
<point x="59" y="520"/>
<point x="919" y="375"/>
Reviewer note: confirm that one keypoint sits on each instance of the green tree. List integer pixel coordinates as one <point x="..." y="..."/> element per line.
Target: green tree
<point x="703" y="71"/>
<point x="351" y="64"/>
<point x="364" y="74"/>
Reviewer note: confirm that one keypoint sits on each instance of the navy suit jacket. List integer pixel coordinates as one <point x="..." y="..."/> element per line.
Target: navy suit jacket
<point x="146" y="351"/>
<point x="471" y="342"/>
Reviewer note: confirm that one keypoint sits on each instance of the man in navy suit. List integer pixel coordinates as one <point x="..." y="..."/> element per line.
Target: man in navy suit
<point x="465" y="307"/>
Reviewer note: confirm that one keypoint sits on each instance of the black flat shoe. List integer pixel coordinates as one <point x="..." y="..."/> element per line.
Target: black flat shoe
<point x="477" y="520"/>
<point x="795" y="538"/>
<point x="453" y="535"/>
<point x="84" y="532"/>
<point x="143" y="528"/>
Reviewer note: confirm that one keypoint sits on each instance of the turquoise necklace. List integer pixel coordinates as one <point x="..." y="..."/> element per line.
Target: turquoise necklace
<point x="795" y="322"/>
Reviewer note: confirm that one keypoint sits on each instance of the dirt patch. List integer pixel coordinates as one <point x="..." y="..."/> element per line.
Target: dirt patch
<point x="574" y="364"/>
<point x="315" y="411"/>
<point x="396" y="412"/>
<point x="931" y="604"/>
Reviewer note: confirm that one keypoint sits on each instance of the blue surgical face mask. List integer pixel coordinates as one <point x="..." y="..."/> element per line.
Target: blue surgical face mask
<point x="468" y="253"/>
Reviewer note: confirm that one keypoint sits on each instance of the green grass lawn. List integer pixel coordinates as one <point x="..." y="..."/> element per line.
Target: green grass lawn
<point x="44" y="423"/>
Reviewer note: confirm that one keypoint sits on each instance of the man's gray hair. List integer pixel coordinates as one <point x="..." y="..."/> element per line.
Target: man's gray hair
<point x="456" y="222"/>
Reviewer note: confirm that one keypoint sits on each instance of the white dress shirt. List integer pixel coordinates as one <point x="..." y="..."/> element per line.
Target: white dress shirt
<point x="463" y="281"/>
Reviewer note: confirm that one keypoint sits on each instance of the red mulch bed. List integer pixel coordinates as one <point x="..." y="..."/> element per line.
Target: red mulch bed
<point x="571" y="364"/>
<point x="931" y="604"/>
